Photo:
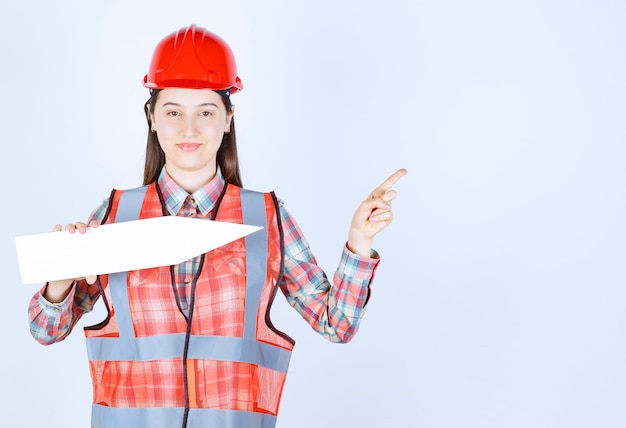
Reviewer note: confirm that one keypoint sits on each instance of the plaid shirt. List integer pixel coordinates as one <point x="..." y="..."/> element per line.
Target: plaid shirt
<point x="333" y="310"/>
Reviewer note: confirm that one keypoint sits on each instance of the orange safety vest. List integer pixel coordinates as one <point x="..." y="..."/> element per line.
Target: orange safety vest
<point x="223" y="364"/>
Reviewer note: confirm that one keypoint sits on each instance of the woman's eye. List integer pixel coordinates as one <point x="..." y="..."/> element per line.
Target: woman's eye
<point x="206" y="113"/>
<point x="173" y="113"/>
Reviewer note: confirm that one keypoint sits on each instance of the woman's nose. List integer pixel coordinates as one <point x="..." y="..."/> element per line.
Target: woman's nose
<point x="189" y="126"/>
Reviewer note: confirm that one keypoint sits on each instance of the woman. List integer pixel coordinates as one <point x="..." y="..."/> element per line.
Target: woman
<point x="193" y="345"/>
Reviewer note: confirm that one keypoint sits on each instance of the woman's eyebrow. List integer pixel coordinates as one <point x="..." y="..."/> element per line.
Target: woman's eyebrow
<point x="171" y="103"/>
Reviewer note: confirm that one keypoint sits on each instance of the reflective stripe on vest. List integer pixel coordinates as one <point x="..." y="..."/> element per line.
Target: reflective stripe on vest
<point x="245" y="349"/>
<point x="159" y="417"/>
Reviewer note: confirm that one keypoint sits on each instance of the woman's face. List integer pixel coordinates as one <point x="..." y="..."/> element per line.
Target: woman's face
<point x="190" y="125"/>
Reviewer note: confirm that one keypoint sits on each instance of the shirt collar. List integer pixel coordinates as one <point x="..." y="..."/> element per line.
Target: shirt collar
<point x="174" y="196"/>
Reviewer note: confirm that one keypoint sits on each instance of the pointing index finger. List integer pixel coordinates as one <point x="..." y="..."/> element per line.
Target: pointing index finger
<point x="388" y="183"/>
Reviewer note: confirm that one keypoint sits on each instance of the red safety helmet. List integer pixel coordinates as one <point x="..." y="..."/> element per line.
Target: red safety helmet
<point x="193" y="58"/>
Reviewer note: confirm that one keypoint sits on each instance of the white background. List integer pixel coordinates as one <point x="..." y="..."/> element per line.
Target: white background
<point x="499" y="301"/>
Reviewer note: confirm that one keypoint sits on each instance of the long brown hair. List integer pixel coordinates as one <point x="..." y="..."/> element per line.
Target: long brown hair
<point x="227" y="158"/>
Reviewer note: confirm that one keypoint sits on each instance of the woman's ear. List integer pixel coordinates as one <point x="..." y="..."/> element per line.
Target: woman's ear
<point x="229" y="119"/>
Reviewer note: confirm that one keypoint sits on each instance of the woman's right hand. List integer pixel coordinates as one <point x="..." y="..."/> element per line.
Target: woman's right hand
<point x="57" y="291"/>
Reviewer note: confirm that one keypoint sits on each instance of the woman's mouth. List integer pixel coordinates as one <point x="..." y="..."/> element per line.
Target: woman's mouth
<point x="188" y="147"/>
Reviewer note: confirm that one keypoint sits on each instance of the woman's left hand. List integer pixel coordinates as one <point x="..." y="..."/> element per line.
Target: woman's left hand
<point x="372" y="216"/>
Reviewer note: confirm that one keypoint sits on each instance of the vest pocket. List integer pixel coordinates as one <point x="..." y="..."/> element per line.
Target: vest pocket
<point x="153" y="304"/>
<point x="157" y="383"/>
<point x="268" y="388"/>
<point x="232" y="385"/>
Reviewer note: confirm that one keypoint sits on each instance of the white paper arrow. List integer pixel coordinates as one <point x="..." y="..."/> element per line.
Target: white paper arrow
<point x="117" y="247"/>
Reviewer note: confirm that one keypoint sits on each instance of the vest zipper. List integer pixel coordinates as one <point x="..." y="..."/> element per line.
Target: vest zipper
<point x="187" y="337"/>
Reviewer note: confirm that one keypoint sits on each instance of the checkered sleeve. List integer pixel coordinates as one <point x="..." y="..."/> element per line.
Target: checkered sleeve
<point x="53" y="322"/>
<point x="332" y="309"/>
